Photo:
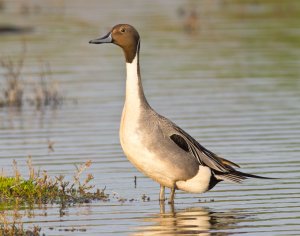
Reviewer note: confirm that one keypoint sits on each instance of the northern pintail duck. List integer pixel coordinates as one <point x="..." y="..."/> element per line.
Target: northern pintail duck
<point x="155" y="145"/>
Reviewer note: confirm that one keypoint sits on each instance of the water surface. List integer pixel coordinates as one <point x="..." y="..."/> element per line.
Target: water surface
<point x="234" y="85"/>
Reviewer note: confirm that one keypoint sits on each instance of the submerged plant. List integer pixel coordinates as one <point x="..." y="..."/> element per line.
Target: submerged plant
<point x="13" y="90"/>
<point x="46" y="91"/>
<point x="14" y="226"/>
<point x="43" y="93"/>
<point x="11" y="224"/>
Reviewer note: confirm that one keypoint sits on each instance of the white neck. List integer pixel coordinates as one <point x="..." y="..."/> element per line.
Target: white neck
<point x="134" y="91"/>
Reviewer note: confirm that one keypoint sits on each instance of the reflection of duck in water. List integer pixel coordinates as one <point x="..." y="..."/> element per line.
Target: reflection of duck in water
<point x="191" y="221"/>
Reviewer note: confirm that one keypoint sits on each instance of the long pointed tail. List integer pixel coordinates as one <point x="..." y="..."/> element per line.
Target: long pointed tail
<point x="238" y="176"/>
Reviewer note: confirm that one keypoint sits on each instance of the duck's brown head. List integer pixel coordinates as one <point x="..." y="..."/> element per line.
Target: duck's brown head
<point x="126" y="37"/>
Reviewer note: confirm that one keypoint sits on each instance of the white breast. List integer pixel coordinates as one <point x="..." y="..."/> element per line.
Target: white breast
<point x="140" y="156"/>
<point x="132" y="134"/>
<point x="197" y="184"/>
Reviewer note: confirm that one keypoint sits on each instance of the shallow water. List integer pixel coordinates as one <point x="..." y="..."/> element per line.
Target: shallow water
<point x="234" y="85"/>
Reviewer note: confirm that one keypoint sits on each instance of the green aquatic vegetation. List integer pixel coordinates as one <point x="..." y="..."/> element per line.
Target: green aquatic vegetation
<point x="12" y="186"/>
<point x="31" y="191"/>
<point x="40" y="188"/>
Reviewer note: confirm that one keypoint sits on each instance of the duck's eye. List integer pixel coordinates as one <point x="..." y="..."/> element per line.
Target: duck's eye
<point x="123" y="30"/>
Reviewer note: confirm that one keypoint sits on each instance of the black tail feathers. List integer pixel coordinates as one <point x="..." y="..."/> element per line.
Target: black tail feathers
<point x="251" y="175"/>
<point x="237" y="176"/>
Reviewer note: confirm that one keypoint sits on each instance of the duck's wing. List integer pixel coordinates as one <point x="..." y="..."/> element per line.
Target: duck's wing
<point x="202" y="155"/>
<point x="221" y="167"/>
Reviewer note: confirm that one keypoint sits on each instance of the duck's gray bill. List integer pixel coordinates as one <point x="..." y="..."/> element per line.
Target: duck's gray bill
<point x="105" y="39"/>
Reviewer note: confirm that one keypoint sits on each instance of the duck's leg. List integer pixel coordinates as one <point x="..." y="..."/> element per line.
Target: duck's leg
<point x="172" y="195"/>
<point x="172" y="209"/>
<point x="162" y="193"/>
<point x="162" y="207"/>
